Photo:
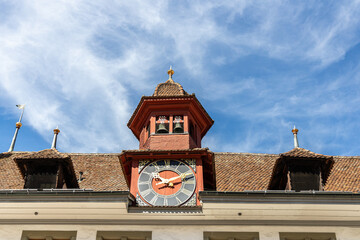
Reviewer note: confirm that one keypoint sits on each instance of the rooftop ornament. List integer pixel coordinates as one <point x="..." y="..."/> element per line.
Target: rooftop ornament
<point x="170" y="72"/>
<point x="295" y="131"/>
<point x="56" y="132"/>
<point x="18" y="126"/>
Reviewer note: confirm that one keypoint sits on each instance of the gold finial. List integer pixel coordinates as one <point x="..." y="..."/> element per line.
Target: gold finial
<point x="18" y="125"/>
<point x="295" y="130"/>
<point x="296" y="142"/>
<point x="56" y="131"/>
<point x="170" y="72"/>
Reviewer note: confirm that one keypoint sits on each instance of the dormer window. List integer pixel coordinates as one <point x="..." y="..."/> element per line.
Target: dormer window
<point x="41" y="179"/>
<point x="178" y="124"/>
<point x="304" y="176"/>
<point x="44" y="176"/>
<point x="47" y="169"/>
<point x="162" y="124"/>
<point x="301" y="170"/>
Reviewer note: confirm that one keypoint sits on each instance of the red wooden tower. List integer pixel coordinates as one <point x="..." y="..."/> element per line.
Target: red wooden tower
<point x="170" y="167"/>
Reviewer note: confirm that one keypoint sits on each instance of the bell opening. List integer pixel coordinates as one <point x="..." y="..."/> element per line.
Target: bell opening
<point x="178" y="127"/>
<point x="162" y="128"/>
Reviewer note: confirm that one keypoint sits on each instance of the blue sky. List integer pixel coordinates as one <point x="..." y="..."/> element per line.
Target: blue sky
<point x="259" y="68"/>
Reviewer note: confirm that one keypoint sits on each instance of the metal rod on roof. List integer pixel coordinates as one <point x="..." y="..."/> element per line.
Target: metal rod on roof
<point x="56" y="132"/>
<point x="295" y="131"/>
<point x="18" y="126"/>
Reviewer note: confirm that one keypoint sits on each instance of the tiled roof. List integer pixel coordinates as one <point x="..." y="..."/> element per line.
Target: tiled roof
<point x="101" y="172"/>
<point x="345" y="175"/>
<point x="234" y="171"/>
<point x="10" y="176"/>
<point x="243" y="171"/>
<point x="303" y="153"/>
<point x="169" y="88"/>
<point x="44" y="154"/>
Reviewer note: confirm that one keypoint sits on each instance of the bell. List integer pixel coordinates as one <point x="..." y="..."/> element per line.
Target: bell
<point x="162" y="128"/>
<point x="178" y="128"/>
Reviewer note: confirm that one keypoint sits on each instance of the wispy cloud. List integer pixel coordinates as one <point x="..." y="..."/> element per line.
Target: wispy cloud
<point x="84" y="65"/>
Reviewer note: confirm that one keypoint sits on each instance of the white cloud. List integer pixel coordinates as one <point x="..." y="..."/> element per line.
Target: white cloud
<point x="80" y="64"/>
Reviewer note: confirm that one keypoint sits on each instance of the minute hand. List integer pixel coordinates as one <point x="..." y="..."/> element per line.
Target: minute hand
<point x="181" y="176"/>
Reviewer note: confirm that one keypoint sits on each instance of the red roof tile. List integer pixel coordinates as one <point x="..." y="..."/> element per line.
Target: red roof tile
<point x="169" y="88"/>
<point x="304" y="153"/>
<point x="243" y="171"/>
<point x="345" y="175"/>
<point x="10" y="176"/>
<point x="101" y="172"/>
<point x="234" y="171"/>
<point x="44" y="154"/>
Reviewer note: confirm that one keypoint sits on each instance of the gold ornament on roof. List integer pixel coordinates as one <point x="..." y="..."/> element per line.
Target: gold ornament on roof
<point x="170" y="72"/>
<point x="295" y="130"/>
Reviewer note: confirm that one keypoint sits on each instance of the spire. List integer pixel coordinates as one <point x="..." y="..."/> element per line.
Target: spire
<point x="56" y="132"/>
<point x="170" y="72"/>
<point x="18" y="126"/>
<point x="295" y="131"/>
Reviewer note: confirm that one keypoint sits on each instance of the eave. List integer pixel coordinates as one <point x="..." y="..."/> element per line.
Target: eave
<point x="150" y="104"/>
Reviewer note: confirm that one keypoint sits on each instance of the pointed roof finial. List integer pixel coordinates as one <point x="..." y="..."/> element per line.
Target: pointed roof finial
<point x="295" y="131"/>
<point x="56" y="132"/>
<point x="170" y="72"/>
<point x="18" y="126"/>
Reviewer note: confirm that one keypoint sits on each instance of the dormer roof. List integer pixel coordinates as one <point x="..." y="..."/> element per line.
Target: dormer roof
<point x="45" y="154"/>
<point x="47" y="159"/>
<point x="303" y="153"/>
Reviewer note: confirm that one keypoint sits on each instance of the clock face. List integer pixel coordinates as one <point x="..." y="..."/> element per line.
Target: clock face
<point x="166" y="183"/>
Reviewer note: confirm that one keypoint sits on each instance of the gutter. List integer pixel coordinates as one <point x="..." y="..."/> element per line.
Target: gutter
<point x="64" y="195"/>
<point x="279" y="196"/>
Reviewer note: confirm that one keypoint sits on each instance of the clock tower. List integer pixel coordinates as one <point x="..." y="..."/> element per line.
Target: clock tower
<point x="170" y="167"/>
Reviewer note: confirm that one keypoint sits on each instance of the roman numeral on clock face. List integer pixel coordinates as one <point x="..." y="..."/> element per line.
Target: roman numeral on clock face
<point x="186" y="192"/>
<point x="157" y="167"/>
<point x="146" y="192"/>
<point x="153" y="200"/>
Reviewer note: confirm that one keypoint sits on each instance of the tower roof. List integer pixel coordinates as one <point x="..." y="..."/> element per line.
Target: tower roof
<point x="169" y="88"/>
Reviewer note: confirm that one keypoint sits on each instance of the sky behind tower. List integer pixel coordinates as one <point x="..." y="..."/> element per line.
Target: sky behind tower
<point x="257" y="68"/>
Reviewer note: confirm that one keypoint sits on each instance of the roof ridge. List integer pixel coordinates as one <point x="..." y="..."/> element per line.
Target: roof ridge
<point x="45" y="153"/>
<point x="245" y="153"/>
<point x="302" y="152"/>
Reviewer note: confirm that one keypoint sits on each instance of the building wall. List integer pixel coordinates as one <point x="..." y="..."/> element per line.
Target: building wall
<point x="176" y="232"/>
<point x="86" y="218"/>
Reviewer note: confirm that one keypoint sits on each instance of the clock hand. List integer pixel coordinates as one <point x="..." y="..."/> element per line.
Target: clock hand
<point x="167" y="181"/>
<point x="157" y="175"/>
<point x="163" y="181"/>
<point x="181" y="176"/>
